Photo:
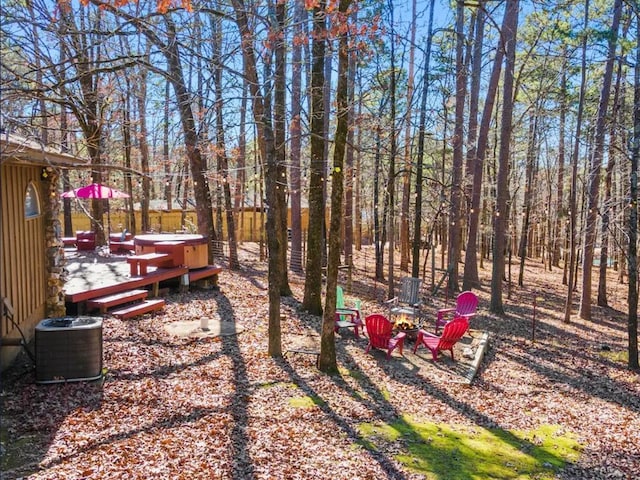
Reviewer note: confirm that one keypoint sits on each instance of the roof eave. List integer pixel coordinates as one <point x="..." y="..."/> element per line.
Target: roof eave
<point x="15" y="149"/>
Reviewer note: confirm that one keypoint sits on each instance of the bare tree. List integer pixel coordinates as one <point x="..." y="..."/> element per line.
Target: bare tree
<point x="470" y="278"/>
<point x="632" y="322"/>
<point x="528" y="197"/>
<point x="299" y="17"/>
<point x="350" y="171"/>
<point x="574" y="170"/>
<point x="270" y="158"/>
<point x="608" y="194"/>
<point x="596" y="166"/>
<point x="417" y="232"/>
<point x="327" y="361"/>
<point x="312" y="301"/>
<point x="221" y="147"/>
<point x="393" y="150"/>
<point x="280" y="134"/>
<point x="561" y="210"/>
<point x="502" y="210"/>
<point x="408" y="164"/>
<point x="144" y="146"/>
<point x="455" y="204"/>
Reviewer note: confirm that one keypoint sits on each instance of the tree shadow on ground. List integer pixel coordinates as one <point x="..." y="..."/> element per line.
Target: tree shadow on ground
<point x="31" y="414"/>
<point x="372" y="397"/>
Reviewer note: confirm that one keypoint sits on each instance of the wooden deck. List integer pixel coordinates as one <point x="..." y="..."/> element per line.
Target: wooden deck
<point x="111" y="284"/>
<point x="152" y="278"/>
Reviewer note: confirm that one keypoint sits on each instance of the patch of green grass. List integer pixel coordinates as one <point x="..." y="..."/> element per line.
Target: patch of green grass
<point x="306" y="401"/>
<point x="355" y="374"/>
<point x="386" y="394"/>
<point x="15" y="452"/>
<point x="276" y="383"/>
<point x="621" y="356"/>
<point x="455" y="452"/>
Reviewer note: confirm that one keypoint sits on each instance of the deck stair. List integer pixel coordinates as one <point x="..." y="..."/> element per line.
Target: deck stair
<point x="105" y="303"/>
<point x="138" y="309"/>
<point x="128" y="304"/>
<point x="210" y="272"/>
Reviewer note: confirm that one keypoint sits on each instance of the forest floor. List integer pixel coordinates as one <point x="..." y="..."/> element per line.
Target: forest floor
<point x="554" y="402"/>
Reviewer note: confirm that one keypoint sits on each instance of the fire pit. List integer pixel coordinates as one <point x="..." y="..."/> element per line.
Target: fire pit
<point x="404" y="324"/>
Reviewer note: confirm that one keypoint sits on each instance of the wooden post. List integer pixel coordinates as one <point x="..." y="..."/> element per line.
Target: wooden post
<point x="533" y="323"/>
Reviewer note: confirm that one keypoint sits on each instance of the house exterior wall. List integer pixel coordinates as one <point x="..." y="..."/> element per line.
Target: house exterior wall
<point x="31" y="248"/>
<point x="22" y="241"/>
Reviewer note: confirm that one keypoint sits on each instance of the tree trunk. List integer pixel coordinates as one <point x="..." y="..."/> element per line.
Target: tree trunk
<point x="408" y="169"/>
<point x="267" y="149"/>
<point x="280" y="137"/>
<point x="574" y="171"/>
<point x="391" y="179"/>
<point x="197" y="164"/>
<point x="66" y="182"/>
<point x="89" y="113"/>
<point x="126" y="139"/>
<point x="632" y="322"/>
<point x="596" y="166"/>
<point x="168" y="178"/>
<point x="417" y="228"/>
<point x="458" y="157"/>
<point x="221" y="147"/>
<point x="608" y="196"/>
<point x="378" y="236"/>
<point x="471" y="278"/>
<point x="350" y="173"/>
<point x="241" y="163"/>
<point x="561" y="212"/>
<point x="144" y="150"/>
<point x="502" y="213"/>
<point x="300" y="16"/>
<point x="312" y="301"/>
<point x="359" y="174"/>
<point x="528" y="193"/>
<point x="327" y="361"/>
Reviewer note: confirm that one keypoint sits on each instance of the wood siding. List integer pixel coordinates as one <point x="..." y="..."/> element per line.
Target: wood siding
<point x="23" y="279"/>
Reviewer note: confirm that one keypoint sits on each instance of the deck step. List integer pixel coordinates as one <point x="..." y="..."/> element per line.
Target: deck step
<point x="209" y="272"/>
<point x="139" y="308"/>
<point x="104" y="303"/>
<point x="138" y="263"/>
<point x="153" y="278"/>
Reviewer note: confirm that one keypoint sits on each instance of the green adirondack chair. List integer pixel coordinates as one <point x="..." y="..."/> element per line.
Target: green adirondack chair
<point x="347" y="317"/>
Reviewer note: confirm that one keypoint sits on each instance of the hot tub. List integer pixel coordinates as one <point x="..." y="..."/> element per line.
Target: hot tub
<point x="187" y="249"/>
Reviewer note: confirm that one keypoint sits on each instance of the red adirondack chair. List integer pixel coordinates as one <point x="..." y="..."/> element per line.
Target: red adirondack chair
<point x="466" y="305"/>
<point x="453" y="331"/>
<point x="380" y="332"/>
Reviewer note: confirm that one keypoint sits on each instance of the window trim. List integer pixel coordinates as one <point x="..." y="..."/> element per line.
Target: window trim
<point x="35" y="209"/>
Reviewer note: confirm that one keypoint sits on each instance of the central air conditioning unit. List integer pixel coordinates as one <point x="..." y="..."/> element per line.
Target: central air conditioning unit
<point x="68" y="349"/>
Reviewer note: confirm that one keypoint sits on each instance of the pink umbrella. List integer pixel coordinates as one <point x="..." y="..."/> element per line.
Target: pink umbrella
<point x="95" y="190"/>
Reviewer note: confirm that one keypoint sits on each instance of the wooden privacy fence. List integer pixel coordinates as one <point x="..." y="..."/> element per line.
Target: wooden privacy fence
<point x="249" y="224"/>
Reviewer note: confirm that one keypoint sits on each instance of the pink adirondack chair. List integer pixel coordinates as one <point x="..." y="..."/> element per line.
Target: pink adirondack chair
<point x="466" y="305"/>
<point x="452" y="333"/>
<point x="380" y="332"/>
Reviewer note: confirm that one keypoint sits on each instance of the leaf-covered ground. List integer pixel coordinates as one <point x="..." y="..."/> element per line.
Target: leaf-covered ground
<point x="220" y="408"/>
